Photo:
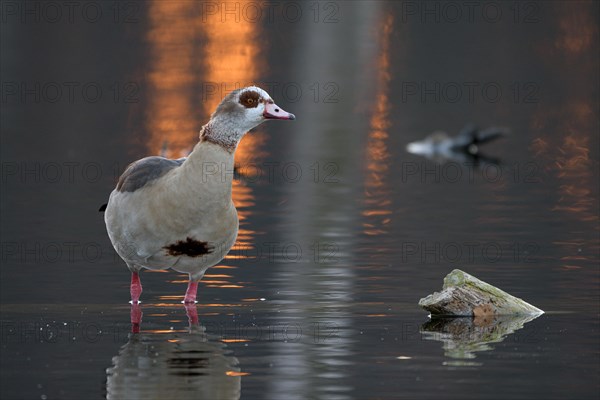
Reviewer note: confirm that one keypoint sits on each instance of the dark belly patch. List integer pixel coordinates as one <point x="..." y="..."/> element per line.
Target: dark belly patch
<point x="189" y="247"/>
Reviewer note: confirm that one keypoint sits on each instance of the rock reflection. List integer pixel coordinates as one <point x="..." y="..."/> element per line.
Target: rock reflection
<point x="462" y="338"/>
<point x="173" y="365"/>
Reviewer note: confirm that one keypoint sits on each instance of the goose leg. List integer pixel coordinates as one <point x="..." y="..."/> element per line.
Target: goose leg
<point x="192" y="314"/>
<point x="190" y="294"/>
<point x="135" y="288"/>
<point x="136" y="317"/>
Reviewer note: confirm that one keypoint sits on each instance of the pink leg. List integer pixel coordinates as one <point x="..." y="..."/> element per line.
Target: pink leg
<point x="136" y="317"/>
<point x="135" y="288"/>
<point x="192" y="314"/>
<point x="190" y="294"/>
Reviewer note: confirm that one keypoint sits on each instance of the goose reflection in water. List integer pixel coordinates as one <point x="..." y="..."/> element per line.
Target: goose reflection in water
<point x="178" y="365"/>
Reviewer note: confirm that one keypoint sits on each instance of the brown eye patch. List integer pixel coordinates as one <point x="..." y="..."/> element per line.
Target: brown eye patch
<point x="249" y="99"/>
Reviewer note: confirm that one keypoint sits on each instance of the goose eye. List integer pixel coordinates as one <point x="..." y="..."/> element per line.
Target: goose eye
<point x="249" y="99"/>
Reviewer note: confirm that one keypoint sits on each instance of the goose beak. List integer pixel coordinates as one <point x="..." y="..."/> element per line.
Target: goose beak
<point x="273" y="111"/>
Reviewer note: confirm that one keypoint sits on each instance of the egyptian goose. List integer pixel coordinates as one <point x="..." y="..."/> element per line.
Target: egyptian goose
<point x="179" y="214"/>
<point x="463" y="147"/>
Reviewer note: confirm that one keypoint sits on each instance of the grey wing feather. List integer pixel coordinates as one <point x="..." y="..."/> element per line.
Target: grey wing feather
<point x="142" y="172"/>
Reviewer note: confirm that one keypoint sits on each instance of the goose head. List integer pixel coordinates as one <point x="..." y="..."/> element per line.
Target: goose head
<point x="247" y="108"/>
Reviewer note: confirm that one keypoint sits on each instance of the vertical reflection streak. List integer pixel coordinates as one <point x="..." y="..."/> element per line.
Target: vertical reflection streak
<point x="171" y="118"/>
<point x="377" y="191"/>
<point x="184" y="41"/>
<point x="565" y="131"/>
<point x="319" y="292"/>
<point x="232" y="59"/>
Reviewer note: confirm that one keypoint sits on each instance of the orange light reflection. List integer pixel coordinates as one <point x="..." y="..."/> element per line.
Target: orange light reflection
<point x="232" y="59"/>
<point x="226" y="286"/>
<point x="159" y="331"/>
<point x="375" y="315"/>
<point x="191" y="52"/>
<point x="235" y="373"/>
<point x="377" y="191"/>
<point x="566" y="129"/>
<point x="172" y="118"/>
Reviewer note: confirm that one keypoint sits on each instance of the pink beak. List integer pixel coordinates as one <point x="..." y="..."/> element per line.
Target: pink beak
<point x="273" y="111"/>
